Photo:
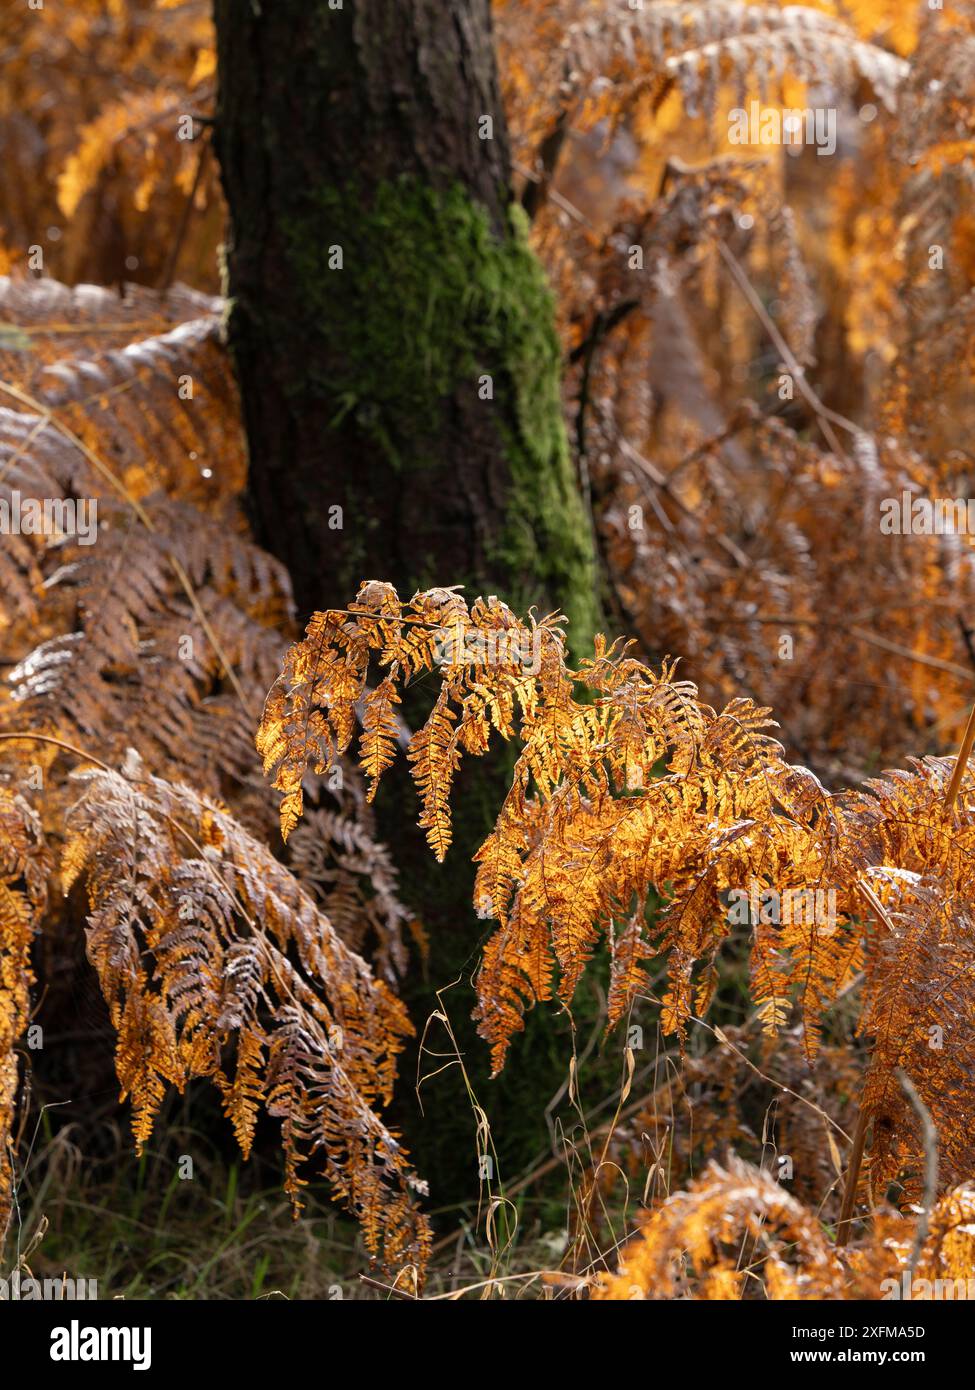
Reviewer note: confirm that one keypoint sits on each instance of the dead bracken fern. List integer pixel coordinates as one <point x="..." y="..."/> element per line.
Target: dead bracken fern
<point x="216" y="959"/>
<point x="640" y="788"/>
<point x="24" y="868"/>
<point x="89" y="117"/>
<point x="191" y="928"/>
<point x="737" y="1233"/>
<point x="581" y="62"/>
<point x="704" y="286"/>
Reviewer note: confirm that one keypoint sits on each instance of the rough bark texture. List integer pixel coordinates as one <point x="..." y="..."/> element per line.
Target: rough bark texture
<point x="379" y="276"/>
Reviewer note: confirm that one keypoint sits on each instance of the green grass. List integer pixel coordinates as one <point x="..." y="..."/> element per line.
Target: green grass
<point x="89" y="1208"/>
<point x="144" y="1232"/>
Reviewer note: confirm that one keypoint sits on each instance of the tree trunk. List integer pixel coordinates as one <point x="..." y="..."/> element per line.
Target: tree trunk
<point x="395" y="347"/>
<point x="392" y="332"/>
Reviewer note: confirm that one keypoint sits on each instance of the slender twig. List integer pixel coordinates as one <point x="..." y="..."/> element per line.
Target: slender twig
<point x="663" y="482"/>
<point x="389" y="1289"/>
<point x="961" y="763"/>
<point x="930" y="1137"/>
<point x="825" y="417"/>
<point x="852" y="1177"/>
<point x="184" y="221"/>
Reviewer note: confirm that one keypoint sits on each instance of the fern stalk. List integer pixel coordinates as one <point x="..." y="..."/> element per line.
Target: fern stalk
<point x="961" y="763"/>
<point x="852" y="1177"/>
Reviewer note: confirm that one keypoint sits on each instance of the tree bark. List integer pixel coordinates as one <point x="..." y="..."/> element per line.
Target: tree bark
<point x="392" y="332"/>
<point x="400" y="373"/>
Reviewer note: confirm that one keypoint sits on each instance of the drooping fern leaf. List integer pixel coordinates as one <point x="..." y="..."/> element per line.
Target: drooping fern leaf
<point x="644" y="789"/>
<point x="192" y="929"/>
<point x="170" y="628"/>
<point x="24" y="867"/>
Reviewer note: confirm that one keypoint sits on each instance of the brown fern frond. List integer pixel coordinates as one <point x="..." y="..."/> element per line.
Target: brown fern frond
<point x="172" y="624"/>
<point x="336" y="856"/>
<point x="599" y="60"/>
<point x="134" y="646"/>
<point x="24" y="867"/>
<point x="691" y="1246"/>
<point x="89" y="133"/>
<point x="143" y="380"/>
<point x="191" y="928"/>
<point x="916" y="1009"/>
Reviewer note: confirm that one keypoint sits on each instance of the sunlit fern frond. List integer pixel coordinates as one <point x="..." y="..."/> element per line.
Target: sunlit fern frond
<point x="641" y="789"/>
<point x="691" y="1247"/>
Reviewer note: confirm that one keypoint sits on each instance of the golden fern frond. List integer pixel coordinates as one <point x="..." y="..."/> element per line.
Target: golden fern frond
<point x="93" y="112"/>
<point x="132" y="119"/>
<point x="917" y="1009"/>
<point x="948" y="1251"/>
<point x="690" y="1247"/>
<point x="603" y="826"/>
<point x="640" y="789"/>
<point x="192" y="927"/>
<point x="24" y="866"/>
<point x="45" y="319"/>
<point x="310" y="713"/>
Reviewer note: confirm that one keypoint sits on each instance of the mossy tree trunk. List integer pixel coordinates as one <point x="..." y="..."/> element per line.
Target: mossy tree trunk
<point x="392" y="332"/>
<point x="394" y="342"/>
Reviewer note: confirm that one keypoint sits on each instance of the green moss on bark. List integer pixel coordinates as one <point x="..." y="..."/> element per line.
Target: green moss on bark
<point x="429" y="300"/>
